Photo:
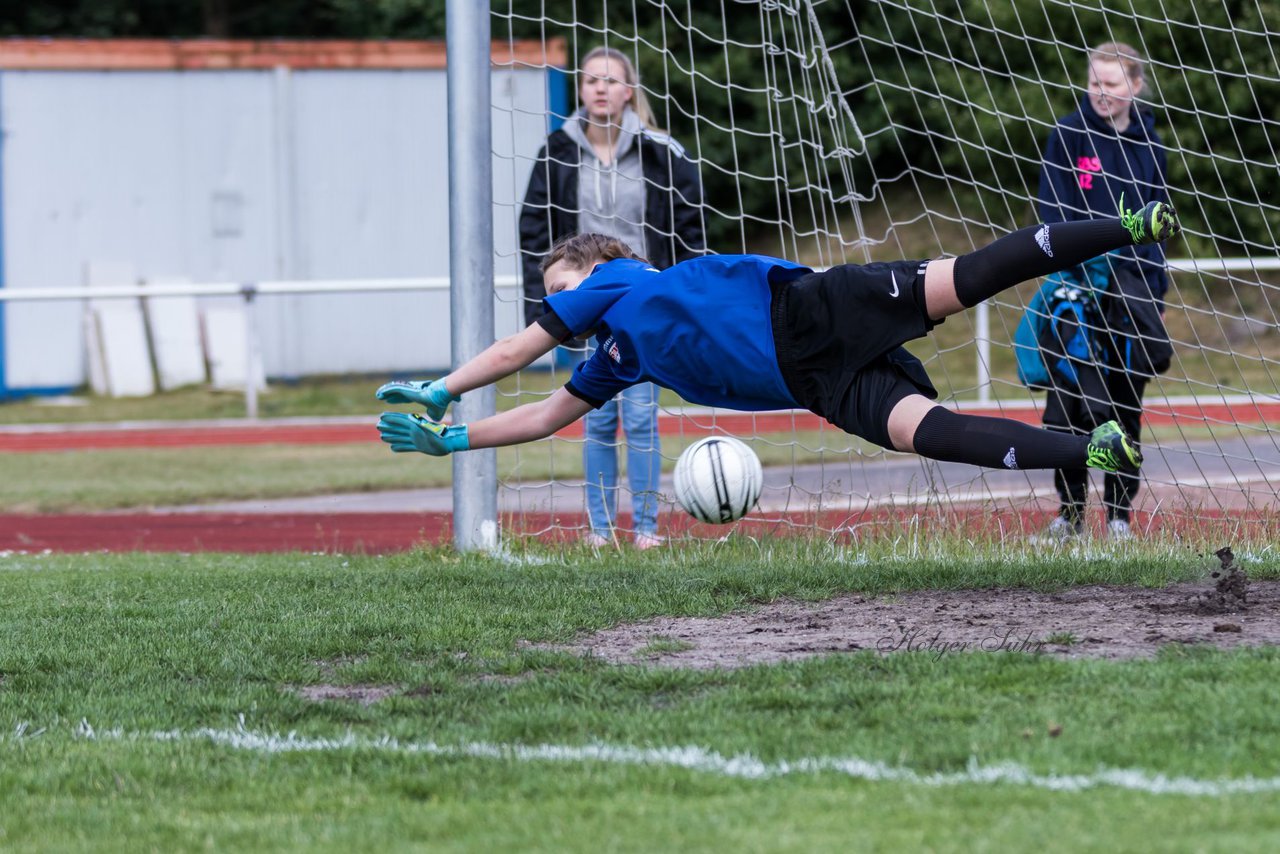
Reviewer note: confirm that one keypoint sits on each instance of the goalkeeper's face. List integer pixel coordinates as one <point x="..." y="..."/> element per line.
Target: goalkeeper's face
<point x="561" y="277"/>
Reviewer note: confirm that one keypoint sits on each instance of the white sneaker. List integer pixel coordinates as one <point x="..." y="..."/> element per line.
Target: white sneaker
<point x="596" y="541"/>
<point x="1060" y="531"/>
<point x="643" y="542"/>
<point x="1118" y="531"/>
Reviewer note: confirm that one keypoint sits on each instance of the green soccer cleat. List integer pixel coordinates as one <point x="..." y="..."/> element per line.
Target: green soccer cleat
<point x="1156" y="221"/>
<point x="1111" y="449"/>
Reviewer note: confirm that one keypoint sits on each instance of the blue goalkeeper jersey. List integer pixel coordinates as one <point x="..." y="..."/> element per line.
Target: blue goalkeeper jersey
<point x="700" y="328"/>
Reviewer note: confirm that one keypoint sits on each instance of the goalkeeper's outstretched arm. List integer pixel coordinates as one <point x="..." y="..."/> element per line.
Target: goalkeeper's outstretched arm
<point x="500" y="359"/>
<point x="528" y="422"/>
<point x="411" y="432"/>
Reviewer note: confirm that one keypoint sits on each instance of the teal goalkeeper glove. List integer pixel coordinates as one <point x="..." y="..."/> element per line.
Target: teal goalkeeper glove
<point x="433" y="395"/>
<point x="405" y="431"/>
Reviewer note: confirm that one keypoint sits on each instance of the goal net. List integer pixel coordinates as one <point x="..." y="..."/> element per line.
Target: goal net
<point x="845" y="132"/>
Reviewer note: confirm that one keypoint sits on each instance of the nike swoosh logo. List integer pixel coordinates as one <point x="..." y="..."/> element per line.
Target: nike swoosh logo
<point x="894" y="279"/>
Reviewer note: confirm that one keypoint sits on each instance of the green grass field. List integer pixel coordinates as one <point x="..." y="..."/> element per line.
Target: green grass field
<point x="154" y="702"/>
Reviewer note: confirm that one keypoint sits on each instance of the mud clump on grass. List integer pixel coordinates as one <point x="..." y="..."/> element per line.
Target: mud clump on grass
<point x="1230" y="591"/>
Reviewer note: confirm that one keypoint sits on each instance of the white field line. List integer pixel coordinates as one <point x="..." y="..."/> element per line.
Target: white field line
<point x="741" y="766"/>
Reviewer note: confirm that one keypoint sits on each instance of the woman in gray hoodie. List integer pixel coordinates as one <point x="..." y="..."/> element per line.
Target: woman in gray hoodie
<point x="609" y="170"/>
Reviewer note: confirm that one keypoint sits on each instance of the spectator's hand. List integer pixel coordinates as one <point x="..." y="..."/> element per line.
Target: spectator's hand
<point x="432" y="395"/>
<point x="411" y="432"/>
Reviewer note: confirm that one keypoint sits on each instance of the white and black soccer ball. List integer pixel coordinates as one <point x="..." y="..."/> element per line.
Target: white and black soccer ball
<point x="718" y="479"/>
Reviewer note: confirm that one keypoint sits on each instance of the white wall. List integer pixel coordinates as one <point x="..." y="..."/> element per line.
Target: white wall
<point x="249" y="175"/>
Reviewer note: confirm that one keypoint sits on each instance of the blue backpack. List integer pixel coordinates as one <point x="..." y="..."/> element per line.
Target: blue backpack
<point x="1062" y="327"/>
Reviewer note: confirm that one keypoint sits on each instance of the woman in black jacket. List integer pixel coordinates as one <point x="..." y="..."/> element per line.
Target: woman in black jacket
<point x="1106" y="151"/>
<point x="609" y="170"/>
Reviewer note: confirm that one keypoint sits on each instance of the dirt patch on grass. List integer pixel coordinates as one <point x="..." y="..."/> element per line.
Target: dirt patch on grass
<point x="1096" y="621"/>
<point x="365" y="695"/>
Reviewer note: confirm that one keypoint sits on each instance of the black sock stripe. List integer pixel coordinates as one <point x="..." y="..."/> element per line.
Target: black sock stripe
<point x="718" y="478"/>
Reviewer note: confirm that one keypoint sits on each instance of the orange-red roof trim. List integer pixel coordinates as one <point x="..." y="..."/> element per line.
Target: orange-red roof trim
<point x="162" y="54"/>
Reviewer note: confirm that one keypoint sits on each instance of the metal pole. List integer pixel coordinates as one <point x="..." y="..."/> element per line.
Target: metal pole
<point x="982" y="320"/>
<point x="475" y="473"/>
<point x="249" y="291"/>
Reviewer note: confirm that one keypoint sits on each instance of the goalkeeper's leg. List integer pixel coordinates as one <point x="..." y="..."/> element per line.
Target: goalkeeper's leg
<point x="954" y="284"/>
<point x="920" y="425"/>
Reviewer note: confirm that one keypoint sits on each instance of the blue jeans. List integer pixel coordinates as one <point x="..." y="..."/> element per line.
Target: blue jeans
<point x="639" y="410"/>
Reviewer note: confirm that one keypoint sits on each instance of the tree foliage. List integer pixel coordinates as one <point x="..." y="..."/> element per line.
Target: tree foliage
<point x="246" y="19"/>
<point x="959" y="91"/>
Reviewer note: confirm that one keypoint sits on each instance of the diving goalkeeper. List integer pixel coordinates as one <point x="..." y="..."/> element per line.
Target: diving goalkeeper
<point x="755" y="333"/>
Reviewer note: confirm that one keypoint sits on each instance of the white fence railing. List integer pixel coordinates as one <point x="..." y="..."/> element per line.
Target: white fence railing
<point x="248" y="291"/>
<point x="982" y="312"/>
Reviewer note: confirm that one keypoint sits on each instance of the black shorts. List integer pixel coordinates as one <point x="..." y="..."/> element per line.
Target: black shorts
<point x="838" y="336"/>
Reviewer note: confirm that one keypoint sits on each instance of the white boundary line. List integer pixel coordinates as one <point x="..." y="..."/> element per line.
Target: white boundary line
<point x="741" y="766"/>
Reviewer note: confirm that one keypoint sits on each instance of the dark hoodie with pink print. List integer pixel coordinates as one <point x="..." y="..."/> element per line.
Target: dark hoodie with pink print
<point x="1088" y="165"/>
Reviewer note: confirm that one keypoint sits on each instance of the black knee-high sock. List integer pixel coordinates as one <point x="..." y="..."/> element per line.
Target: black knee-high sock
<point x="1037" y="250"/>
<point x="996" y="442"/>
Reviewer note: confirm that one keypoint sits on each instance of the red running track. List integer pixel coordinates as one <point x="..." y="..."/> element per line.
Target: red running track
<point x="370" y="533"/>
<point x="386" y="533"/>
<point x="367" y="533"/>
<point x="62" y="438"/>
